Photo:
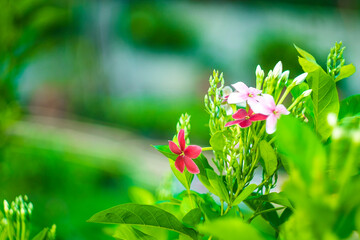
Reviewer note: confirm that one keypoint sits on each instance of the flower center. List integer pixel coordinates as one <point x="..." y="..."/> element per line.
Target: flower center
<point x="247" y="117"/>
<point x="250" y="95"/>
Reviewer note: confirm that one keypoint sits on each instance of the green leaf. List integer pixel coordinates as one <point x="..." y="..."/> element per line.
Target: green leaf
<point x="43" y="235"/>
<point x="218" y="185"/>
<point x="193" y="217"/>
<point x="244" y="194"/>
<point x="278" y="198"/>
<point x="125" y="232"/>
<point x="305" y="54"/>
<point x="142" y="215"/>
<point x="269" y="156"/>
<point x="203" y="164"/>
<point x="218" y="141"/>
<point x="350" y="107"/>
<point x="230" y="229"/>
<point x="141" y="196"/>
<point x="345" y="72"/>
<point x="308" y="66"/>
<point x="301" y="147"/>
<point x="185" y="178"/>
<point x="165" y="150"/>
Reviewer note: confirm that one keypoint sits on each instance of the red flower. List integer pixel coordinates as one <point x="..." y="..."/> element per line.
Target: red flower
<point x="245" y="119"/>
<point x="186" y="154"/>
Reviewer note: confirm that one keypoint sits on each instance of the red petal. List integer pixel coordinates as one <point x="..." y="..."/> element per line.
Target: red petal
<point x="174" y="148"/>
<point x="181" y="139"/>
<point x="258" y="117"/>
<point x="233" y="123"/>
<point x="245" y="124"/>
<point x="240" y="114"/>
<point x="192" y="151"/>
<point x="250" y="112"/>
<point x="191" y="166"/>
<point x="180" y="164"/>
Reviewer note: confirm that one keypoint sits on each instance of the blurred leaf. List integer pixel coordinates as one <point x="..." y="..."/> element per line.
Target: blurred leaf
<point x="269" y="157"/>
<point x="218" y="185"/>
<point x="350" y="107"/>
<point x="245" y="193"/>
<point x="217" y="141"/>
<point x="278" y="198"/>
<point x="141" y="196"/>
<point x="193" y="217"/>
<point x="285" y="215"/>
<point x="142" y="215"/>
<point x="230" y="229"/>
<point x="124" y="232"/>
<point x="43" y="235"/>
<point x="301" y="147"/>
<point x="345" y="72"/>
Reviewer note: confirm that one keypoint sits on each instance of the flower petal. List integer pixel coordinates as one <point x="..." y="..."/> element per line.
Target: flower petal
<point x="282" y="109"/>
<point x="191" y="166"/>
<point x="254" y="91"/>
<point x="271" y="124"/>
<point x="181" y="139"/>
<point x="245" y="123"/>
<point x="259" y="107"/>
<point x="235" y="98"/>
<point x="241" y="87"/>
<point x="269" y="101"/>
<point x="192" y="151"/>
<point x="174" y="148"/>
<point x="233" y="123"/>
<point x="258" y="117"/>
<point x="180" y="163"/>
<point x="240" y="114"/>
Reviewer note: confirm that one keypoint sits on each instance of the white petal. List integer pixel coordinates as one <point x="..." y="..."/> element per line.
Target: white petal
<point x="235" y="98"/>
<point x="271" y="124"/>
<point x="301" y="78"/>
<point x="241" y="87"/>
<point x="277" y="69"/>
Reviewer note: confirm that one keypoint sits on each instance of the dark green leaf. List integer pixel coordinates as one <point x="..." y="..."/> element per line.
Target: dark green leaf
<point x="193" y="217"/>
<point x="345" y="72"/>
<point x="142" y="215"/>
<point x="218" y="185"/>
<point x="350" y="107"/>
<point x="230" y="229"/>
<point x="278" y="198"/>
<point x="244" y="194"/>
<point x="269" y="157"/>
<point x="43" y="235"/>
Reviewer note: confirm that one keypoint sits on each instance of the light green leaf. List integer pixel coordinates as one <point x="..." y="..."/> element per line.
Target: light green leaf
<point x="244" y="194"/>
<point x="269" y="156"/>
<point x="301" y="147"/>
<point x="305" y="54"/>
<point x="125" y="232"/>
<point x="350" y="107"/>
<point x="217" y="141"/>
<point x="345" y="72"/>
<point x="308" y="66"/>
<point x="218" y="185"/>
<point x="230" y="229"/>
<point x="142" y="215"/>
<point x="165" y="150"/>
<point x="193" y="217"/>
<point x="185" y="178"/>
<point x="141" y="196"/>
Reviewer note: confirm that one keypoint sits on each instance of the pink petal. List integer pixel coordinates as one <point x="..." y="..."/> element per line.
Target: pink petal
<point x="241" y="87"/>
<point x="174" y="148"/>
<point x="192" y="151"/>
<point x="269" y="101"/>
<point x="259" y="107"/>
<point x="181" y="139"/>
<point x="245" y="124"/>
<point x="235" y="98"/>
<point x="271" y="124"/>
<point x="180" y="163"/>
<point x="282" y="109"/>
<point x="240" y="114"/>
<point x="233" y="123"/>
<point x="250" y="112"/>
<point x="191" y="166"/>
<point x="254" y="91"/>
<point x="258" y="117"/>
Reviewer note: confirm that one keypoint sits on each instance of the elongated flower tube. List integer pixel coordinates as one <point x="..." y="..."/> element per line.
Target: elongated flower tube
<point x="185" y="154"/>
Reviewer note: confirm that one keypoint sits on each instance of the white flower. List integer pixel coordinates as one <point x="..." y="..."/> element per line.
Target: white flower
<point x="306" y="93"/>
<point x="277" y="69"/>
<point x="299" y="79"/>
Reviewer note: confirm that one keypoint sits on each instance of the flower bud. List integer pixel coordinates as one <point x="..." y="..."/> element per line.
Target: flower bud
<point x="277" y="69"/>
<point x="285" y="76"/>
<point x="306" y="93"/>
<point x="6" y="206"/>
<point x="299" y="79"/>
<point x="259" y="72"/>
<point x="226" y="91"/>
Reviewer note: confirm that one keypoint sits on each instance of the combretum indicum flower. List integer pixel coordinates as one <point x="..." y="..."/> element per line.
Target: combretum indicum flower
<point x="244" y="93"/>
<point x="245" y="119"/>
<point x="267" y="106"/>
<point x="185" y="154"/>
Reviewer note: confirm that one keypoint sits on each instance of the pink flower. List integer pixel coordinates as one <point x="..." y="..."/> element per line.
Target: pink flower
<point x="267" y="106"/>
<point x="185" y="154"/>
<point x="245" y="119"/>
<point x="244" y="93"/>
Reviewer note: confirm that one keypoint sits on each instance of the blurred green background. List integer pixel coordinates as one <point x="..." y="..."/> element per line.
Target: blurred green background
<point x="87" y="86"/>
